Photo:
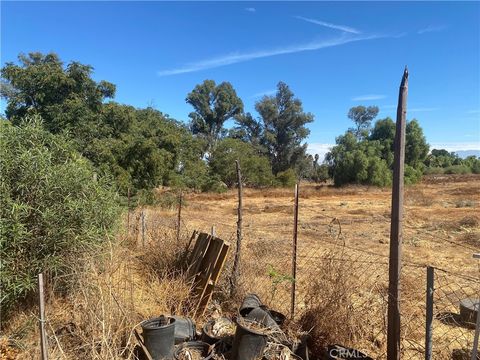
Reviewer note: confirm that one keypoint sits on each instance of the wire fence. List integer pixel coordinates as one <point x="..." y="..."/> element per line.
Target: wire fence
<point x="341" y="288"/>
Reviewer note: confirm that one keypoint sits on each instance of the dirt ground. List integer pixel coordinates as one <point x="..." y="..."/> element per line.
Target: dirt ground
<point x="441" y="229"/>
<point x="441" y="223"/>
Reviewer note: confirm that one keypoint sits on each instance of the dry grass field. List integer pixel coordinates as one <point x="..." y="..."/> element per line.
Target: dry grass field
<point x="342" y="274"/>
<point x="343" y="246"/>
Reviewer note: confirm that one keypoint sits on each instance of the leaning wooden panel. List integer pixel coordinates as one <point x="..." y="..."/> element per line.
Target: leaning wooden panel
<point x="198" y="254"/>
<point x="207" y="266"/>
<point x="208" y="292"/>
<point x="213" y="263"/>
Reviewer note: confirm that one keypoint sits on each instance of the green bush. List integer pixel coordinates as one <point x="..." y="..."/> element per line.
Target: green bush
<point x="412" y="175"/>
<point x="52" y="208"/>
<point x="434" y="170"/>
<point x="256" y="169"/>
<point x="286" y="178"/>
<point x="458" y="169"/>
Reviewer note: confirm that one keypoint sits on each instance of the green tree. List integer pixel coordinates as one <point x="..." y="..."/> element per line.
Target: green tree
<point x="362" y="117"/>
<point x="384" y="132"/>
<point x="52" y="208"/>
<point x="66" y="98"/>
<point x="283" y="127"/>
<point x="256" y="169"/>
<point x="249" y="130"/>
<point x="213" y="105"/>
<point x="416" y="147"/>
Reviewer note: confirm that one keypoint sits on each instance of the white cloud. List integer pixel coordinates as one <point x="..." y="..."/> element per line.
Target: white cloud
<point x="250" y="9"/>
<point x="368" y="97"/>
<point x="431" y="28"/>
<point x="264" y="93"/>
<point x="456" y="146"/>
<point x="234" y="58"/>
<point x="345" y="28"/>
<point x="320" y="149"/>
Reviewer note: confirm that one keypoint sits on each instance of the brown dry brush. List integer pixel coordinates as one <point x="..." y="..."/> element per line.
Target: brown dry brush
<point x="343" y="307"/>
<point x="112" y="291"/>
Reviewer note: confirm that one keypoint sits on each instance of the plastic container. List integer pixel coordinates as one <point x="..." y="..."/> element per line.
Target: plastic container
<point x="275" y="315"/>
<point x="263" y="317"/>
<point x="204" y="348"/>
<point x="250" y="302"/>
<point x="185" y="329"/>
<point x="248" y="344"/>
<point x="159" y="337"/>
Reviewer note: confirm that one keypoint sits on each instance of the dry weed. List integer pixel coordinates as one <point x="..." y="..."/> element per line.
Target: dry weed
<point x="111" y="293"/>
<point x="338" y="310"/>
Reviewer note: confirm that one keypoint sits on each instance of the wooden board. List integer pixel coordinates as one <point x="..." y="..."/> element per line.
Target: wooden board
<point x="205" y="265"/>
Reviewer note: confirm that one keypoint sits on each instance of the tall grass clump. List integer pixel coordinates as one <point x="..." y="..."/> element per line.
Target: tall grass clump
<point x="52" y="208"/>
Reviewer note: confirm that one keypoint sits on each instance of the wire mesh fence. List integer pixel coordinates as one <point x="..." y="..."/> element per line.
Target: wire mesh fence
<point x="341" y="288"/>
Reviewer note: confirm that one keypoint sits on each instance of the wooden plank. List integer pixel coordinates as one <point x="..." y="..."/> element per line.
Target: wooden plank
<point x="198" y="253"/>
<point x="194" y="236"/>
<point x="212" y="277"/>
<point x="215" y="275"/>
<point x="207" y="265"/>
<point x="142" y="345"/>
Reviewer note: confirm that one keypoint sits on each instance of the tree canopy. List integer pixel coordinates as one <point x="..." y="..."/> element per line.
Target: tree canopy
<point x="284" y="127"/>
<point x="143" y="148"/>
<point x="213" y="105"/>
<point x="362" y="117"/>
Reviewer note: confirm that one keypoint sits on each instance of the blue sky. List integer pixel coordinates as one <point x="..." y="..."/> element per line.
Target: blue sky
<point x="332" y="55"/>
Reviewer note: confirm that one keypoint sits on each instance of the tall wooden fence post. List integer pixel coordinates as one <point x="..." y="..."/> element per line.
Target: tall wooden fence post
<point x="429" y="313"/>
<point x="179" y="216"/>
<point x="41" y="305"/>
<point x="395" y="260"/>
<point x="294" y="253"/>
<point x="237" y="258"/>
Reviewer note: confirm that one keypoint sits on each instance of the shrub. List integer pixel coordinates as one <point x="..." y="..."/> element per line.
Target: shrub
<point x="412" y="175"/>
<point x="458" y="169"/>
<point x="286" y="178"/>
<point x="52" y="208"/>
<point x="434" y="170"/>
<point x="256" y="169"/>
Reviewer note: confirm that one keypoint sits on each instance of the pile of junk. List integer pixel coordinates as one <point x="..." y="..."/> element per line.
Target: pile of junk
<point x="256" y="332"/>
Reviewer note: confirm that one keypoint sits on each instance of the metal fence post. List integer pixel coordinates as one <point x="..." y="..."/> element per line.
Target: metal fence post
<point x="179" y="216"/>
<point x="41" y="303"/>
<point x="237" y="258"/>
<point x="429" y="312"/>
<point x="294" y="253"/>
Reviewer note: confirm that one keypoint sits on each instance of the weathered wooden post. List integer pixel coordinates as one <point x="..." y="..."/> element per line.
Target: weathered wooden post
<point x="294" y="253"/>
<point x="395" y="261"/>
<point x="41" y="305"/>
<point x="179" y="216"/>
<point x="429" y="313"/>
<point x="212" y="232"/>
<point x="237" y="258"/>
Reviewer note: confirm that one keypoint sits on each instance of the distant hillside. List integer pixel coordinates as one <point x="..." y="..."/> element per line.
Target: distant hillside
<point x="466" y="153"/>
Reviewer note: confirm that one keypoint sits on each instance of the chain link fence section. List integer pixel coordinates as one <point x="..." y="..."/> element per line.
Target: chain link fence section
<point x="339" y="286"/>
<point x="454" y="315"/>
